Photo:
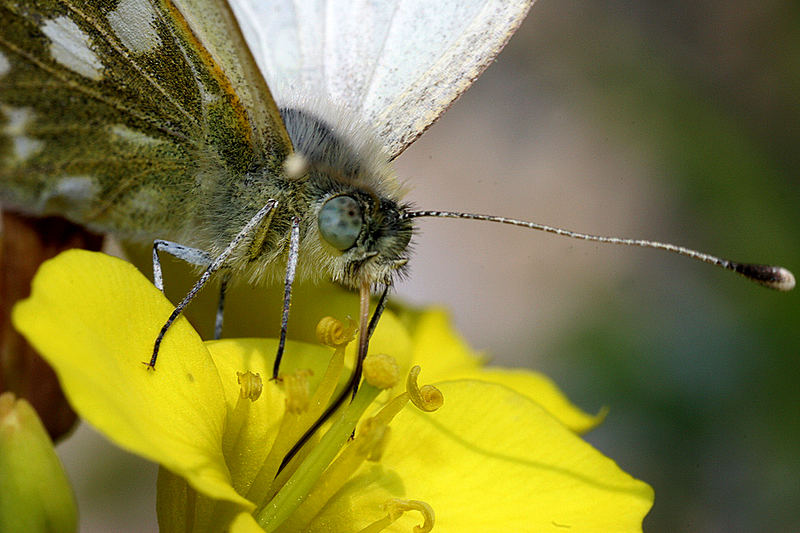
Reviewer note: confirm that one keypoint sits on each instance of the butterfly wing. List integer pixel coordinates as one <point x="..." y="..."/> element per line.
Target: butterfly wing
<point x="216" y="31"/>
<point x="117" y="114"/>
<point x="396" y="64"/>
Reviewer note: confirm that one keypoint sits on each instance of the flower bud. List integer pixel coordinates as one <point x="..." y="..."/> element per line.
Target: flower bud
<point x="36" y="495"/>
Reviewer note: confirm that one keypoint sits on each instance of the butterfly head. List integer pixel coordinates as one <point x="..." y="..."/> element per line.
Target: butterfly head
<point x="362" y="232"/>
<point x="366" y="237"/>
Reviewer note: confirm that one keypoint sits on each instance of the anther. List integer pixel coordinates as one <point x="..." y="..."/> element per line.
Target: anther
<point x="331" y="332"/>
<point x="381" y="371"/>
<point x="396" y="507"/>
<point x="427" y="398"/>
<point x="251" y="385"/>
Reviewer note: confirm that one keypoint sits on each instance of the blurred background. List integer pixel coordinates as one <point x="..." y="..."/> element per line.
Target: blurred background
<point x="671" y="120"/>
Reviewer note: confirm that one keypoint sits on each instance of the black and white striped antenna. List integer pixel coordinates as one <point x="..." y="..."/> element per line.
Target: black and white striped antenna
<point x="774" y="277"/>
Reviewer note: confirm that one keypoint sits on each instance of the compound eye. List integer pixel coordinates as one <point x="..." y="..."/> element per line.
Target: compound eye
<point x="340" y="222"/>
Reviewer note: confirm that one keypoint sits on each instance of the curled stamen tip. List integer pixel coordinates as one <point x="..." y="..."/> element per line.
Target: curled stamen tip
<point x="250" y="385"/>
<point x="381" y="371"/>
<point x="332" y="332"/>
<point x="427" y="398"/>
<point x="296" y="387"/>
<point x="396" y="507"/>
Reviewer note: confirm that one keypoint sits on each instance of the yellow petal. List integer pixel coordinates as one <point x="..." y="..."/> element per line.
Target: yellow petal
<point x="491" y="460"/>
<point x="439" y="349"/>
<point x="182" y="510"/>
<point x="95" y="318"/>
<point x="541" y="390"/>
<point x="245" y="523"/>
<point x="443" y="354"/>
<point x="391" y="337"/>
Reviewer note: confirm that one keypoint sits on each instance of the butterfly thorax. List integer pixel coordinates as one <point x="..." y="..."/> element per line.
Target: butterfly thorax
<point x="341" y="188"/>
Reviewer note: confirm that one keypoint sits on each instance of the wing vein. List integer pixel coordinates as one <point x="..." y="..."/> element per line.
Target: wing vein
<point x="110" y="199"/>
<point x="371" y="78"/>
<point x="95" y="95"/>
<point x="115" y="45"/>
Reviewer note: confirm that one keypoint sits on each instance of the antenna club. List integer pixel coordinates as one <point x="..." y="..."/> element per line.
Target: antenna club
<point x="774" y="277"/>
<point x="785" y="279"/>
<point x="788" y="284"/>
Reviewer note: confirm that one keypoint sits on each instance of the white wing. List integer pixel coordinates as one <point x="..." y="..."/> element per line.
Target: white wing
<point x="394" y="64"/>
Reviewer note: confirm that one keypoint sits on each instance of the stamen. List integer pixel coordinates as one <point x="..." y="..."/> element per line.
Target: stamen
<point x="333" y="333"/>
<point x="375" y="452"/>
<point x="373" y="435"/>
<point x="319" y="476"/>
<point x="296" y="388"/>
<point x="372" y="438"/>
<point x="300" y="484"/>
<point x="378" y="526"/>
<point x="395" y="509"/>
<point x="251" y="385"/>
<point x="388" y="412"/>
<point x="265" y="484"/>
<point x="249" y="391"/>
<point x="428" y="398"/>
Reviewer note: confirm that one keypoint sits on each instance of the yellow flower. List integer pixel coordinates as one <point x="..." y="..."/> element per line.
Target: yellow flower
<point x="501" y="454"/>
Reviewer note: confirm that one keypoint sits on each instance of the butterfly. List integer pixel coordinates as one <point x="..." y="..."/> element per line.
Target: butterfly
<point x="251" y="138"/>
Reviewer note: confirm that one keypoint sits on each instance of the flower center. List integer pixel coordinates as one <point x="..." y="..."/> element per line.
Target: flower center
<point x="312" y="476"/>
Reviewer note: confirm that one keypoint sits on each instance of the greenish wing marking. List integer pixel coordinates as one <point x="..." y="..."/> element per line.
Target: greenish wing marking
<point x="115" y="114"/>
<point x="213" y="24"/>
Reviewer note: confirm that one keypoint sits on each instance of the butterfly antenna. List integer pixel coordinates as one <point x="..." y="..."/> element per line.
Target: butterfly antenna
<point x="774" y="277"/>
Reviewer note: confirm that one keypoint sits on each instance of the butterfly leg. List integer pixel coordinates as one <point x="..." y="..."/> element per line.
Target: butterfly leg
<point x="193" y="256"/>
<point x="215" y="265"/>
<point x="223" y="288"/>
<point x="291" y="267"/>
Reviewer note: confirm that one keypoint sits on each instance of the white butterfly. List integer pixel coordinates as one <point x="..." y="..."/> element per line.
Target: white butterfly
<point x="155" y="120"/>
